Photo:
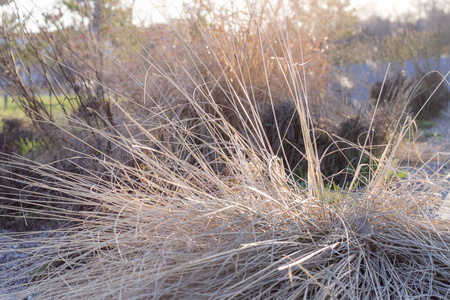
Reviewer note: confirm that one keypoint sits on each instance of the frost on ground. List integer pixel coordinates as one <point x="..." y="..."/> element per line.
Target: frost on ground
<point x="15" y="264"/>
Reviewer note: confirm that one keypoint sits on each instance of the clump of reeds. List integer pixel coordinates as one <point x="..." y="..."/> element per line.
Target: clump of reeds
<point x="197" y="204"/>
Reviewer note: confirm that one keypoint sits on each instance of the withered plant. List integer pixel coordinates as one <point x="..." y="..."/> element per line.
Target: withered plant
<point x="183" y="193"/>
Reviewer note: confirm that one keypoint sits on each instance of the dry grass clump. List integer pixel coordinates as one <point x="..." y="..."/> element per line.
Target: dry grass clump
<point x="179" y="230"/>
<point x="26" y="204"/>
<point x="184" y="197"/>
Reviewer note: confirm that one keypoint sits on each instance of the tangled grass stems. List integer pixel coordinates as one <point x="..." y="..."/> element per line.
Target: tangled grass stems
<point x="234" y="245"/>
<point x="183" y="201"/>
<point x="179" y="229"/>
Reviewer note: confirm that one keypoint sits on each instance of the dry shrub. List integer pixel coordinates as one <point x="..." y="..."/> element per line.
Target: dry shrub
<point x="68" y="66"/>
<point x="342" y="142"/>
<point x="427" y="94"/>
<point x="14" y="131"/>
<point x="431" y="96"/>
<point x="391" y="89"/>
<point x="235" y="60"/>
<point x="158" y="219"/>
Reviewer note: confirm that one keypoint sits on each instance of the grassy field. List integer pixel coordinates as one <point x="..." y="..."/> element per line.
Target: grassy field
<point x="13" y="110"/>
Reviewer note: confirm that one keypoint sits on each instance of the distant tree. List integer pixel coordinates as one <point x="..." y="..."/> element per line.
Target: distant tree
<point x="340" y="18"/>
<point x="438" y="20"/>
<point x="101" y="16"/>
<point x="106" y="24"/>
<point x="328" y="23"/>
<point x="376" y="26"/>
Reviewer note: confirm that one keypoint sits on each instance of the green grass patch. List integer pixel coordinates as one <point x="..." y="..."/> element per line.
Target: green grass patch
<point x="26" y="145"/>
<point x="435" y="135"/>
<point x="422" y="123"/>
<point x="11" y="109"/>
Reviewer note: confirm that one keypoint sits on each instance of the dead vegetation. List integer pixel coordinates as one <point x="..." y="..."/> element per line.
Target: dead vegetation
<point x="340" y="142"/>
<point x="186" y="191"/>
<point x="427" y="94"/>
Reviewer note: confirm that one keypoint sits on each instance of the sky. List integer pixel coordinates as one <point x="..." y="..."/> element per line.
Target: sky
<point x="384" y="8"/>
